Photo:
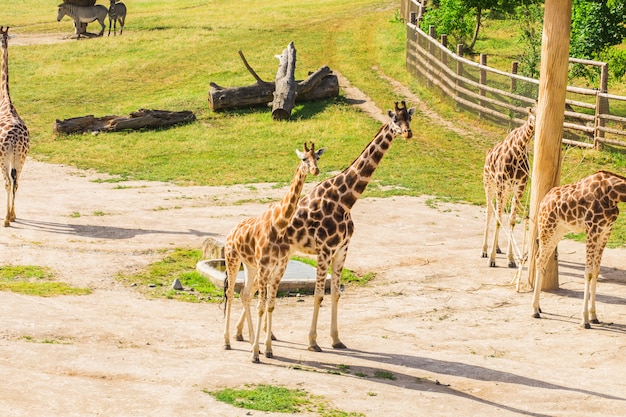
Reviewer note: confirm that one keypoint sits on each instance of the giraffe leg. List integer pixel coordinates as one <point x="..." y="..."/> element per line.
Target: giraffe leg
<point x="496" y="248"/>
<point x="323" y="261"/>
<point x="243" y="316"/>
<point x="8" y="185"/>
<point x="596" y="242"/>
<point x="517" y="195"/>
<point x="261" y="307"/>
<point x="232" y="266"/>
<point x="277" y="275"/>
<point x="247" y="293"/>
<point x="335" y="293"/>
<point x="548" y="240"/>
<point x="489" y="213"/>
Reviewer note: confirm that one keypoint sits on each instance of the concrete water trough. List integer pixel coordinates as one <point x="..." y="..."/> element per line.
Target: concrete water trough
<point x="299" y="277"/>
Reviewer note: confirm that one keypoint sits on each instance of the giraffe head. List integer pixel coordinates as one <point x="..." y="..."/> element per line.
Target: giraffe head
<point x="4" y="36"/>
<point x="310" y="157"/>
<point x="401" y="120"/>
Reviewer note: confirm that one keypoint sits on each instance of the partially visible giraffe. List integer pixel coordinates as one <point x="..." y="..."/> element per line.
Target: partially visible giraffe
<point x="323" y="225"/>
<point x="590" y="206"/>
<point x="14" y="137"/>
<point x="258" y="243"/>
<point x="505" y="175"/>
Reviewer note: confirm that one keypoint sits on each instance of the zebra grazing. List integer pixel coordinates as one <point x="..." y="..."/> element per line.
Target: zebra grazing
<point x="83" y="14"/>
<point x="117" y="12"/>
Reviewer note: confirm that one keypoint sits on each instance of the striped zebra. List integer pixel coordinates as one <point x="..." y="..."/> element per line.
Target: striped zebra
<point x="117" y="12"/>
<point x="81" y="14"/>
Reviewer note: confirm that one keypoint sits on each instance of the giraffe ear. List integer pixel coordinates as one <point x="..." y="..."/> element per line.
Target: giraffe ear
<point x="391" y="114"/>
<point x="411" y="111"/>
<point x="301" y="155"/>
<point x="320" y="152"/>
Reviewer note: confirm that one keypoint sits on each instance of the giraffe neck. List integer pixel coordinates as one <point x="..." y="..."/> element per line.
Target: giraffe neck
<point x="284" y="211"/>
<point x="351" y="183"/>
<point x="522" y="135"/>
<point x="5" y="99"/>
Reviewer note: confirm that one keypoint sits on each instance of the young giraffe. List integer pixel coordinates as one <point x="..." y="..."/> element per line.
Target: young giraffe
<point x="14" y="137"/>
<point x="505" y="174"/>
<point x="323" y="225"/>
<point x="590" y="206"/>
<point x="258" y="243"/>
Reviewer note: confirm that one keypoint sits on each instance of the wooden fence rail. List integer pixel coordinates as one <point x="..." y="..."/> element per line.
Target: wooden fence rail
<point x="593" y="117"/>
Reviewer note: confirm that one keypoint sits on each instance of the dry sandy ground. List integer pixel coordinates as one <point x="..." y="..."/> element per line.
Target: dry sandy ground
<point x="455" y="335"/>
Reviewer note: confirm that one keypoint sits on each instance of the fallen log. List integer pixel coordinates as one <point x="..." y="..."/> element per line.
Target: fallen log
<point x="320" y="84"/>
<point x="285" y="85"/>
<point x="141" y="119"/>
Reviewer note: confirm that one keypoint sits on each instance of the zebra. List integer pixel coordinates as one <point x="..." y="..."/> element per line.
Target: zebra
<point x="82" y="14"/>
<point x="117" y="12"/>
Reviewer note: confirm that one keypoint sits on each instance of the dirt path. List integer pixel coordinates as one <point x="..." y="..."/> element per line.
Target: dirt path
<point x="456" y="337"/>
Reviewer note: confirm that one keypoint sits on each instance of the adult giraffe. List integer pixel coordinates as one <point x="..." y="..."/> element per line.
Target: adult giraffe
<point x="590" y="206"/>
<point x="323" y="225"/>
<point x="14" y="137"/>
<point x="505" y="175"/>
<point x="258" y="242"/>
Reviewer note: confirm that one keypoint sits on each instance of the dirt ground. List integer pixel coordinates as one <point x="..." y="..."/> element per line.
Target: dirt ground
<point x="457" y="338"/>
<point x="455" y="335"/>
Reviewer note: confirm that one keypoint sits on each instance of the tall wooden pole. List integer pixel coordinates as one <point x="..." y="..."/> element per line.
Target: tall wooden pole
<point x="549" y="124"/>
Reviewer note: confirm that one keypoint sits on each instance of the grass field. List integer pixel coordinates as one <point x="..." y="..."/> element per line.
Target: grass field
<point x="171" y="51"/>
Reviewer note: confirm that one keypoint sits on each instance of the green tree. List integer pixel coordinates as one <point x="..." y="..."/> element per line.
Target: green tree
<point x="597" y="25"/>
<point x="449" y="17"/>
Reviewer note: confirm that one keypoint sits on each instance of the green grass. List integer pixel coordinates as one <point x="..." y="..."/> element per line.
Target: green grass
<point x="35" y="280"/>
<point x="156" y="280"/>
<point x="347" y="276"/>
<point x="171" y="51"/>
<point x="275" y="399"/>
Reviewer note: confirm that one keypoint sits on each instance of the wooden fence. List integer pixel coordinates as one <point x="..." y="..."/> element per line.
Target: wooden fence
<point x="593" y="117"/>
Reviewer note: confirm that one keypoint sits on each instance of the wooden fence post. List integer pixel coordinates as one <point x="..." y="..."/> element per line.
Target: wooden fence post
<point x="602" y="105"/>
<point x="459" y="68"/>
<point x="482" y="81"/>
<point x="444" y="56"/>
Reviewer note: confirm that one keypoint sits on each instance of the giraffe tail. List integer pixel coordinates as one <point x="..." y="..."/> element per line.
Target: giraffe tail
<point x="225" y="294"/>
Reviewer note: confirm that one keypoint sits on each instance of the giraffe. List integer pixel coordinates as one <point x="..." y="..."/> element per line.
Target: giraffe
<point x="590" y="206"/>
<point x="505" y="175"/>
<point x="323" y="225"/>
<point x="258" y="243"/>
<point x="14" y="137"/>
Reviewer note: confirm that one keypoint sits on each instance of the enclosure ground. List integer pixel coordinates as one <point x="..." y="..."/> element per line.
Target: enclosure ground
<point x="448" y="335"/>
<point x="436" y="333"/>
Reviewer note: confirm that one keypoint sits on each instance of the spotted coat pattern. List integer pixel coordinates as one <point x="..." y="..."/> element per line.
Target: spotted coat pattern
<point x="590" y="206"/>
<point x="14" y="136"/>
<point x="505" y="175"/>
<point x="259" y="243"/>
<point x="323" y="225"/>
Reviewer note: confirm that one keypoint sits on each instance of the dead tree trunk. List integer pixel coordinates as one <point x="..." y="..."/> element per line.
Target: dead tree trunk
<point x="141" y="119"/>
<point x="319" y="85"/>
<point x="285" y="87"/>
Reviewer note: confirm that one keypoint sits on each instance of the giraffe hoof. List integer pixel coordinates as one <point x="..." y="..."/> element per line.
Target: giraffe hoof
<point x="498" y="250"/>
<point x="595" y="321"/>
<point x="7" y="223"/>
<point x="226" y="347"/>
<point x="512" y="264"/>
<point x="536" y="315"/>
<point x="339" y="345"/>
<point x="256" y="360"/>
<point x="492" y="264"/>
<point x="484" y="255"/>
<point x="239" y="338"/>
<point x="586" y="326"/>
<point x="269" y="354"/>
<point x="315" y="348"/>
